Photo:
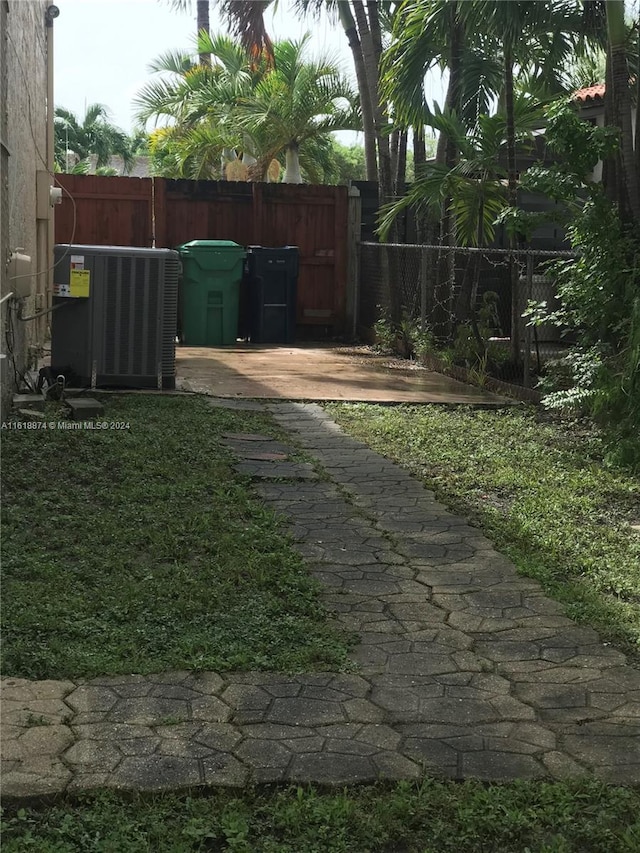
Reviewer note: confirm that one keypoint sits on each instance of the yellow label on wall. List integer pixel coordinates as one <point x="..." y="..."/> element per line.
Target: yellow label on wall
<point x="79" y="282"/>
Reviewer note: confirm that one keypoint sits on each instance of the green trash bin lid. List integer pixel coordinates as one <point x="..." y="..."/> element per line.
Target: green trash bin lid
<point x="220" y="255"/>
<point x="205" y="245"/>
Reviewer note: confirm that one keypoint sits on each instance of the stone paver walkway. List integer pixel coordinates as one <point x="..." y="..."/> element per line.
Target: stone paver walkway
<point x="465" y="668"/>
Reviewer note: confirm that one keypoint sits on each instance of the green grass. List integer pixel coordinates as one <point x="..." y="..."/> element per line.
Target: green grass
<point x="538" y="490"/>
<point x="141" y="550"/>
<point x="432" y="817"/>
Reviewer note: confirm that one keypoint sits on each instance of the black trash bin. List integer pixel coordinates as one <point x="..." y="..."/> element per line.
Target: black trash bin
<point x="271" y="288"/>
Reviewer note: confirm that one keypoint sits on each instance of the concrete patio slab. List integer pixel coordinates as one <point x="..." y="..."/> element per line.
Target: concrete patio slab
<point x="319" y="372"/>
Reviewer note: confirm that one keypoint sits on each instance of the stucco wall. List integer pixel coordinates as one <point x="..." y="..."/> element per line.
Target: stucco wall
<point x="23" y="132"/>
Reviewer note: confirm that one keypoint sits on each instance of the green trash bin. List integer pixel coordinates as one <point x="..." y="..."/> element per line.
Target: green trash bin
<point x="210" y="292"/>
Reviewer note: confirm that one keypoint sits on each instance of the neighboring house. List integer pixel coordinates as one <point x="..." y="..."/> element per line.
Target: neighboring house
<point x="591" y="105"/>
<point x="26" y="215"/>
<point x="140" y="168"/>
<point x="591" y="100"/>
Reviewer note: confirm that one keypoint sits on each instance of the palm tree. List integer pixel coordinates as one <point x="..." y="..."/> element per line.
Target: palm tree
<point x="468" y="37"/>
<point x="362" y="24"/>
<point x="295" y="103"/>
<point x="76" y="140"/>
<point x="202" y="20"/>
<point x="618" y="111"/>
<point x="473" y="189"/>
<point x="265" y="112"/>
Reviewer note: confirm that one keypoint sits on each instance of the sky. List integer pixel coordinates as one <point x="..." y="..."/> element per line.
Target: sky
<point x="102" y="49"/>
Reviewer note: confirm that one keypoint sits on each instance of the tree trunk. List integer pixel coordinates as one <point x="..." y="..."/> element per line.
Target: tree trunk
<point x="385" y="179"/>
<point x="394" y="146"/>
<point x="401" y="165"/>
<point x="637" y="139"/>
<point x="371" y="40"/>
<point x="447" y="154"/>
<point x="202" y="17"/>
<point x="619" y="97"/>
<point x="366" y="107"/>
<point x="419" y="150"/>
<point x="610" y="170"/>
<point x="419" y="159"/>
<point x="512" y="193"/>
<point x="292" y="165"/>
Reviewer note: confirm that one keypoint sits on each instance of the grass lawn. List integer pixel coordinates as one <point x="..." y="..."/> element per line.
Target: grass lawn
<point x="537" y="489"/>
<point x="432" y="817"/>
<point x="140" y="550"/>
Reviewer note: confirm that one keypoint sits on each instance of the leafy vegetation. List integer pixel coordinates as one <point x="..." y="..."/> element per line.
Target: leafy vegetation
<point x="599" y="290"/>
<point x="76" y="140"/>
<point x="139" y="550"/>
<point x="237" y="107"/>
<point x="538" y="490"/>
<point x="430" y="817"/>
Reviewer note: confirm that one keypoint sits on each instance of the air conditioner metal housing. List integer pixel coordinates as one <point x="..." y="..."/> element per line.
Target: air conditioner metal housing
<point x="122" y="334"/>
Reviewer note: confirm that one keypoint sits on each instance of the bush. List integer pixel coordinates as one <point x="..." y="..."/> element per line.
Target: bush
<point x="598" y="289"/>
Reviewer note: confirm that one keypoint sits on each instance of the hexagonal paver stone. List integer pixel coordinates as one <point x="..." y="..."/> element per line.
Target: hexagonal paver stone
<point x="90" y="699"/>
<point x="44" y="780"/>
<point x="277" y="470"/>
<point x="246" y="436"/>
<point x="210" y="709"/>
<point x="23" y="690"/>
<point x="46" y="740"/>
<point x="305" y="712"/>
<point x="260" y="752"/>
<point x="363" y="711"/>
<point x="498" y="766"/>
<point x="206" y="683"/>
<point x="560" y="766"/>
<point x="88" y="782"/>
<point x="95" y="756"/>
<point x="394" y="767"/>
<point x="183" y="748"/>
<point x="224" y="770"/>
<point x="150" y="711"/>
<point x="552" y="695"/>
<point x="433" y="755"/>
<point x="456" y="711"/>
<point x="602" y="744"/>
<point x="115" y="732"/>
<point x="332" y="769"/>
<point x="221" y="737"/>
<point x="246" y="697"/>
<point x="174" y="691"/>
<point x="157" y="772"/>
<point x="36" y="712"/>
<point x="506" y="650"/>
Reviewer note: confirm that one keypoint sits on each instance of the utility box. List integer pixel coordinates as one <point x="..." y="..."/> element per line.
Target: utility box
<point x="272" y="284"/>
<point x="115" y="315"/>
<point x="210" y="292"/>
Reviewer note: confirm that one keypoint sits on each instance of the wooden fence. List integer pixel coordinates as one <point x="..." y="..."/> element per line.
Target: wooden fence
<point x="121" y="211"/>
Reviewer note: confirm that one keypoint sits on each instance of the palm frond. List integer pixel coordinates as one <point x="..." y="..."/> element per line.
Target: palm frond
<point x="247" y="22"/>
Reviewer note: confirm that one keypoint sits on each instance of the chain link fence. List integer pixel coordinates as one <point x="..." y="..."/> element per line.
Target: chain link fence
<point x="465" y="296"/>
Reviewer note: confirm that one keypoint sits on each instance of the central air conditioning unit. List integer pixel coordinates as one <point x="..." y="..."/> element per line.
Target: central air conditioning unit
<point x="115" y="317"/>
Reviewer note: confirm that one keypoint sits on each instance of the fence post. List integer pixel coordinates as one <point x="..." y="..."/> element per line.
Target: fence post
<point x="159" y="212"/>
<point x="526" y="379"/>
<point x="451" y="286"/>
<point x="256" y="193"/>
<point x="354" y="225"/>
<point x="424" y="260"/>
